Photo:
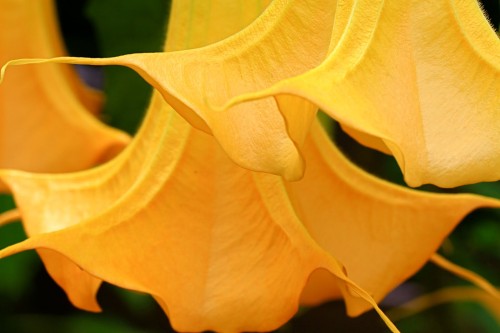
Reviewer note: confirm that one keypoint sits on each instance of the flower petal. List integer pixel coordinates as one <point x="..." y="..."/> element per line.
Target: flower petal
<point x="289" y="38"/>
<point x="193" y="215"/>
<point x="176" y="209"/>
<point x="53" y="202"/>
<point x="436" y="65"/>
<point x="380" y="232"/>
<point x="45" y="127"/>
<point x="178" y="180"/>
<point x="96" y="190"/>
<point x="421" y="78"/>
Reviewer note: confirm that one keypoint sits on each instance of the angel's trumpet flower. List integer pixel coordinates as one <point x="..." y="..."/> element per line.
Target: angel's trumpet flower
<point x="221" y="247"/>
<point x="418" y="79"/>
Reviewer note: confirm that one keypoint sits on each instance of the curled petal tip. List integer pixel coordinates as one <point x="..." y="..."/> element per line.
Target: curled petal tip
<point x="294" y="171"/>
<point x="15" y="248"/>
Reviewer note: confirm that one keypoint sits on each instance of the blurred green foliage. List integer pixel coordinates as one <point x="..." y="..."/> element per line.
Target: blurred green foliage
<point x="127" y="27"/>
<point x="31" y="302"/>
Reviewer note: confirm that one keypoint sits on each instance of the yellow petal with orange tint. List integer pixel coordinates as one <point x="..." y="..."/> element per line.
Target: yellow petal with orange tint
<point x="247" y="242"/>
<point x="190" y="214"/>
<point x="179" y="209"/>
<point x="237" y="235"/>
<point x="289" y="38"/>
<point x="380" y="232"/>
<point x="169" y="158"/>
<point x="420" y="79"/>
<point x="417" y="79"/>
<point x="45" y="127"/>
<point x="97" y="189"/>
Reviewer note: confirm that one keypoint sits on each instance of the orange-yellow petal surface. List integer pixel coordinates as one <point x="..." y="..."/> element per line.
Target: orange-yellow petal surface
<point x="44" y="198"/>
<point x="418" y="78"/>
<point x="44" y="124"/>
<point x="380" y="232"/>
<point x="194" y="215"/>
<point x="252" y="239"/>
<point x="289" y="38"/>
<point x="179" y="209"/>
<point x="228" y="249"/>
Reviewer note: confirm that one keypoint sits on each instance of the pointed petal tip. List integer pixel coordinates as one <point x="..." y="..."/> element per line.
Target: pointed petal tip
<point x="62" y="60"/>
<point x="16" y="248"/>
<point x="84" y="302"/>
<point x="28" y="61"/>
<point x="90" y="307"/>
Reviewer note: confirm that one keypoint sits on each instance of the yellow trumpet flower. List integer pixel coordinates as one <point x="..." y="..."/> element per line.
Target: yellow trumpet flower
<point x="417" y="79"/>
<point x="221" y="247"/>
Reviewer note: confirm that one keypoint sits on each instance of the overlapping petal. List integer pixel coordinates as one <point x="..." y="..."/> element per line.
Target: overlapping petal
<point x="95" y="190"/>
<point x="417" y="79"/>
<point x="47" y="124"/>
<point x="46" y="127"/>
<point x="173" y="207"/>
<point x="290" y="37"/>
<point x="55" y="202"/>
<point x="246" y="242"/>
<point x="191" y="215"/>
<point x="368" y="224"/>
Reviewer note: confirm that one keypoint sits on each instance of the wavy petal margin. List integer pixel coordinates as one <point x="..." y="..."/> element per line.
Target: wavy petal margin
<point x="192" y="215"/>
<point x="289" y="38"/>
<point x="97" y="189"/>
<point x="417" y="79"/>
<point x="248" y="242"/>
<point x="228" y="249"/>
<point x="382" y="233"/>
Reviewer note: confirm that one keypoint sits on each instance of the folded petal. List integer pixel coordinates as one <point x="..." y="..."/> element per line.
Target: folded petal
<point x="94" y="191"/>
<point x="417" y="78"/>
<point x="45" y="126"/>
<point x="224" y="248"/>
<point x="435" y="64"/>
<point x="289" y="38"/>
<point x="53" y="202"/>
<point x="247" y="242"/>
<point x="193" y="215"/>
<point x="380" y="232"/>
